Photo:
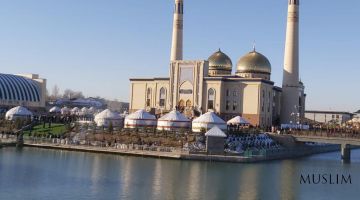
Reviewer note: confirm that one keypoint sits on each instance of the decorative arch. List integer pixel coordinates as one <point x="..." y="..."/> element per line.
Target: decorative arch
<point x="211" y="98"/>
<point x="148" y="97"/>
<point x="162" y="97"/>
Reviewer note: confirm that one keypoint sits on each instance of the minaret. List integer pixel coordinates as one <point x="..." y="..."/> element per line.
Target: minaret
<point x="290" y="86"/>
<point x="177" y="36"/>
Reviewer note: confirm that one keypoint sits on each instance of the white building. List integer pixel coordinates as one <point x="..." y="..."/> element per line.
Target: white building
<point x="334" y="117"/>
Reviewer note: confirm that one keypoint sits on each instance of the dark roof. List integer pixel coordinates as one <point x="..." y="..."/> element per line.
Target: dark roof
<point x="237" y="78"/>
<point x="329" y="112"/>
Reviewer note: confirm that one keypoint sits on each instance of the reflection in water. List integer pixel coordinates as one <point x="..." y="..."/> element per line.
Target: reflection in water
<point x="95" y="175"/>
<point x="289" y="179"/>
<point x="249" y="183"/>
<point x="51" y="174"/>
<point x="193" y="184"/>
<point x="157" y="180"/>
<point x="126" y="179"/>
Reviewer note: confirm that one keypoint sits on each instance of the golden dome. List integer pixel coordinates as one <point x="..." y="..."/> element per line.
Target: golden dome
<point x="253" y="62"/>
<point x="220" y="61"/>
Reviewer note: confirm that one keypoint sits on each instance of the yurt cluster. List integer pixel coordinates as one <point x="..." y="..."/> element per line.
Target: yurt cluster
<point x="174" y="120"/>
<point x="140" y="119"/>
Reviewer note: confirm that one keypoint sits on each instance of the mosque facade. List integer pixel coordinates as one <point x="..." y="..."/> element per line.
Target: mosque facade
<point x="198" y="86"/>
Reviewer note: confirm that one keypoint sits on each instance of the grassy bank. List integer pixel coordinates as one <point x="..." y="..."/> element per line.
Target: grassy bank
<point x="55" y="129"/>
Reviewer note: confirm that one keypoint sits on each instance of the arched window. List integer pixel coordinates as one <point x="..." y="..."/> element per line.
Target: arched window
<point x="162" y="97"/>
<point x="211" y="98"/>
<point x="148" y="97"/>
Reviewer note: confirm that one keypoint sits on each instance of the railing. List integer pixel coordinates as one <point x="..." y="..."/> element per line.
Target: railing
<point x="101" y="145"/>
<point x="328" y="134"/>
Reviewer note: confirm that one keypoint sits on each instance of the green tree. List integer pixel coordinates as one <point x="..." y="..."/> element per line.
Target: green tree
<point x="111" y="127"/>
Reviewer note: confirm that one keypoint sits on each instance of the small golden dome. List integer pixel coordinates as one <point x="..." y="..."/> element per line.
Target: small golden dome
<point x="253" y="62"/>
<point x="220" y="61"/>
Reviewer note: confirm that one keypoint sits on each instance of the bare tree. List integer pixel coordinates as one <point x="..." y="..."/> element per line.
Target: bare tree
<point x="55" y="93"/>
<point x="70" y="94"/>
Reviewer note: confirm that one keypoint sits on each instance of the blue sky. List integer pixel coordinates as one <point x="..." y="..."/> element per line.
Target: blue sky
<point x="95" y="46"/>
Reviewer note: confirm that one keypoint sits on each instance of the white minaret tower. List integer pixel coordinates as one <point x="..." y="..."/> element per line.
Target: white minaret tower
<point x="290" y="86"/>
<point x="177" y="36"/>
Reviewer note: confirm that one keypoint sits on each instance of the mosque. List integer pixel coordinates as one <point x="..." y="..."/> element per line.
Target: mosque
<point x="198" y="86"/>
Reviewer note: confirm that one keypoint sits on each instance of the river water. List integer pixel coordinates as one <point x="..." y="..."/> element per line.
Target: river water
<point x="32" y="173"/>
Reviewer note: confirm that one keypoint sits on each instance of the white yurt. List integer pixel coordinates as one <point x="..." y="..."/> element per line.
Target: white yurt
<point x="18" y="112"/>
<point x="173" y="120"/>
<point x="106" y="117"/>
<point x="238" y="120"/>
<point x="140" y="118"/>
<point x="92" y="110"/>
<point x="207" y="121"/>
<point x="84" y="111"/>
<point x="65" y="111"/>
<point x="75" y="111"/>
<point x="55" y="110"/>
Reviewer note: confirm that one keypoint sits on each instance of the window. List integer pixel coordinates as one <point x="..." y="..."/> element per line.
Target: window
<point x="227" y="105"/>
<point x="148" y="97"/>
<point x="227" y="93"/>
<point x="234" y="93"/>
<point x="269" y="102"/>
<point x="211" y="98"/>
<point x="162" y="97"/>
<point x="235" y="105"/>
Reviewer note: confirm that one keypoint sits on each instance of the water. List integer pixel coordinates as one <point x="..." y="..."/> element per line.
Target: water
<point x="32" y="173"/>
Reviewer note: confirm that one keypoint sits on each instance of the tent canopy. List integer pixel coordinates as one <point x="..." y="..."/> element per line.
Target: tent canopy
<point x="238" y="120"/>
<point x="215" y="132"/>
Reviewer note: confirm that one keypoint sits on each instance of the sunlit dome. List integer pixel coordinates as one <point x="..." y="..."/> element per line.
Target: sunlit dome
<point x="220" y="61"/>
<point x="253" y="62"/>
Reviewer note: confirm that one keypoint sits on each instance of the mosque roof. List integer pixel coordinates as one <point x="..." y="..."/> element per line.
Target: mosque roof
<point x="253" y="62"/>
<point x="220" y="61"/>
